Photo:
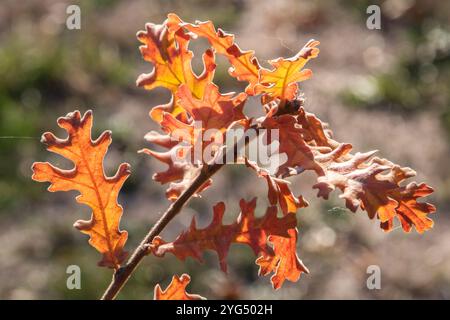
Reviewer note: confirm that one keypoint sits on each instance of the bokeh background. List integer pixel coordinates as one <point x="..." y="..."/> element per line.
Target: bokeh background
<point x="382" y="89"/>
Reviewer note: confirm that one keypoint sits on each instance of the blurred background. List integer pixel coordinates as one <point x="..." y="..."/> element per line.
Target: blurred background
<point x="382" y="89"/>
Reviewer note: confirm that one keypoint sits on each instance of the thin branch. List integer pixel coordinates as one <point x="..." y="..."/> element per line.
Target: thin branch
<point x="122" y="275"/>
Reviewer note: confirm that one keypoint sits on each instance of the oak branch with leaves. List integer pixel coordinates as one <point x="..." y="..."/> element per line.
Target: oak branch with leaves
<point x="372" y="184"/>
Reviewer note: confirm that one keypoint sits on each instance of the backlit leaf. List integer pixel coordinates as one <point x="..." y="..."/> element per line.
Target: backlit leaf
<point x="88" y="178"/>
<point x="180" y="173"/>
<point x="245" y="65"/>
<point x="166" y="47"/>
<point x="247" y="230"/>
<point x="176" y="290"/>
<point x="366" y="181"/>
<point x="215" y="111"/>
<point x="281" y="81"/>
<point x="283" y="262"/>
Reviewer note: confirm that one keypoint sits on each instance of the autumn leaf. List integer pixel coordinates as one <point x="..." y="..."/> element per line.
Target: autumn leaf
<point x="374" y="184"/>
<point x="180" y="172"/>
<point x="300" y="155"/>
<point x="368" y="182"/>
<point x="244" y="64"/>
<point x="88" y="178"/>
<point x="281" y="81"/>
<point x="176" y="290"/>
<point x="166" y="47"/>
<point x="283" y="262"/>
<point x="247" y="229"/>
<point x="279" y="192"/>
<point x="215" y="111"/>
<point x="409" y="211"/>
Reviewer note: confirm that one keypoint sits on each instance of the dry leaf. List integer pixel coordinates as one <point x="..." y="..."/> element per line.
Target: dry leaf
<point x="281" y="81"/>
<point x="166" y="47"/>
<point x="244" y="64"/>
<point x="87" y="176"/>
<point x="176" y="290"/>
<point x="247" y="230"/>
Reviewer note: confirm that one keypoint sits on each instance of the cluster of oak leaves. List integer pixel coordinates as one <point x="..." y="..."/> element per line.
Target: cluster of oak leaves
<point x="368" y="182"/>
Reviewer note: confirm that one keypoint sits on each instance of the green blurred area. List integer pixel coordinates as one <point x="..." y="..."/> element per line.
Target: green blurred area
<point x="420" y="76"/>
<point x="47" y="70"/>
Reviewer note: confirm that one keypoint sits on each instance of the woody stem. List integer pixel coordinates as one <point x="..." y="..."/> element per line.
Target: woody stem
<point x="122" y="274"/>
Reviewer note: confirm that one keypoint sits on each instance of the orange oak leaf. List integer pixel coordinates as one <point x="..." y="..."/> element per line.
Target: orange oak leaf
<point x="214" y="111"/>
<point x="409" y="211"/>
<point x="166" y="47"/>
<point x="195" y="99"/>
<point x="300" y="155"/>
<point x="180" y="172"/>
<point x="368" y="182"/>
<point x="244" y="64"/>
<point x="247" y="230"/>
<point x="87" y="177"/>
<point x="374" y="184"/>
<point x="284" y="262"/>
<point x="281" y="81"/>
<point x="176" y="290"/>
<point x="279" y="192"/>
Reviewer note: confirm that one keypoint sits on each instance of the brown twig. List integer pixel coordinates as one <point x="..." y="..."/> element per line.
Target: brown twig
<point x="122" y="275"/>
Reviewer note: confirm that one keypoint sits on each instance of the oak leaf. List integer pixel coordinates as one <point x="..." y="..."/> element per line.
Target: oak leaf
<point x="300" y="155"/>
<point x="374" y="184"/>
<point x="166" y="47"/>
<point x="87" y="177"/>
<point x="279" y="192"/>
<point x="244" y="64"/>
<point x="215" y="111"/>
<point x="180" y="172"/>
<point x="176" y="290"/>
<point x="368" y="182"/>
<point x="247" y="230"/>
<point x="281" y="81"/>
<point x="283" y="262"/>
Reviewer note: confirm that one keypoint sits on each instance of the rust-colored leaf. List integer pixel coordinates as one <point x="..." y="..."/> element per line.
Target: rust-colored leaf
<point x="87" y="177"/>
<point x="292" y="143"/>
<point x="366" y="181"/>
<point x="374" y="184"/>
<point x="215" y="111"/>
<point x="281" y="81"/>
<point x="247" y="230"/>
<point x="283" y="262"/>
<point x="180" y="173"/>
<point x="279" y="192"/>
<point x="176" y="290"/>
<point x="245" y="65"/>
<point x="166" y="47"/>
